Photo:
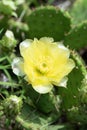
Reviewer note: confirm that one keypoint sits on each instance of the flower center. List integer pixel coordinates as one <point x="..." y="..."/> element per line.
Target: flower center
<point x="42" y="68"/>
<point x="44" y="65"/>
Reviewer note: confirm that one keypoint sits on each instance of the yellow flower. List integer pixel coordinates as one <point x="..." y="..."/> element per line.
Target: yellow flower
<point x="45" y="63"/>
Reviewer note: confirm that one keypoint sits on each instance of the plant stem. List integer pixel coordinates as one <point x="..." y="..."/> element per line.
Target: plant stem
<point x="8" y="83"/>
<point x="5" y="67"/>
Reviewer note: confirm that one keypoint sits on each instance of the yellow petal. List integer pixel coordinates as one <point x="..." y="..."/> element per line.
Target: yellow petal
<point x="69" y="66"/>
<point x="63" y="71"/>
<point x="46" y="39"/>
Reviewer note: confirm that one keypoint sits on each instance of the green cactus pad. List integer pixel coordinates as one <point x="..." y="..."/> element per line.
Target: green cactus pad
<point x="77" y="38"/>
<point x="45" y="103"/>
<point x="78" y="11"/>
<point x="72" y="96"/>
<point x="48" y="21"/>
<point x="31" y="119"/>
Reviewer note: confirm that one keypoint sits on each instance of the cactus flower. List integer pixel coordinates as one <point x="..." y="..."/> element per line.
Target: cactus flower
<point x="44" y="63"/>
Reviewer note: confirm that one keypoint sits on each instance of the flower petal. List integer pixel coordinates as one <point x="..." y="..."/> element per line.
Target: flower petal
<point x="47" y="39"/>
<point x="24" y="45"/>
<point x="61" y="46"/>
<point x="63" y="82"/>
<point x="69" y="66"/>
<point x="64" y="49"/>
<point x="43" y="88"/>
<point x="18" y="66"/>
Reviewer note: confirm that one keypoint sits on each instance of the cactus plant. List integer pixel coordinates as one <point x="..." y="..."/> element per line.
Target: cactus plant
<point x="61" y="108"/>
<point x="78" y="11"/>
<point x="44" y="102"/>
<point x="69" y="101"/>
<point x="77" y="39"/>
<point x="72" y="100"/>
<point x="12" y="106"/>
<point x="32" y="119"/>
<point x="58" y="27"/>
<point x="68" y="98"/>
<point x="48" y="21"/>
